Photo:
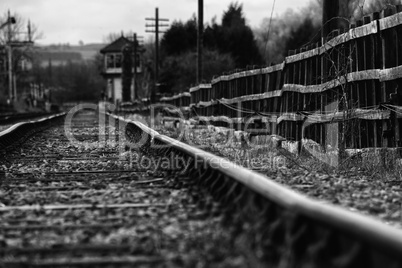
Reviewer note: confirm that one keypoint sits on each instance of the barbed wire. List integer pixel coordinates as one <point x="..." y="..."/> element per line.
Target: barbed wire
<point x="313" y="116"/>
<point x="269" y="29"/>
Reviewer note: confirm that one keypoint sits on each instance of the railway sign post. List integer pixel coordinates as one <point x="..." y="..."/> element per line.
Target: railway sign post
<point x="11" y="42"/>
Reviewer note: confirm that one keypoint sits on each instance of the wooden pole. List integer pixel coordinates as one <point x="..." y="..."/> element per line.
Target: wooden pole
<point x="330" y="12"/>
<point x="155" y="29"/>
<point x="10" y="60"/>
<point x="156" y="45"/>
<point x="200" y="39"/>
<point x="135" y="93"/>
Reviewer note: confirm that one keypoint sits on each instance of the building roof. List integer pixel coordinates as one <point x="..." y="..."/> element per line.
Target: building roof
<point x="116" y="46"/>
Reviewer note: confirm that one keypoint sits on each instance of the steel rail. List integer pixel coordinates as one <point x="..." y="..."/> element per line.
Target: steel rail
<point x="300" y="230"/>
<point x="22" y="130"/>
<point x="10" y="118"/>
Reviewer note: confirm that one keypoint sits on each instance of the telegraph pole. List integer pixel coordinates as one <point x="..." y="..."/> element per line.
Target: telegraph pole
<point x="330" y="13"/>
<point x="10" y="60"/>
<point x="136" y="50"/>
<point x="200" y="39"/>
<point x="155" y="29"/>
<point x="135" y="65"/>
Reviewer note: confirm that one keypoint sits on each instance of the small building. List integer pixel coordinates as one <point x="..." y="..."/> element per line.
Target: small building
<point x="112" y="69"/>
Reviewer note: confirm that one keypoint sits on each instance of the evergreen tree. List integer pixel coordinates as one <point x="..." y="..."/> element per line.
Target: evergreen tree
<point x="306" y="33"/>
<point x="237" y="38"/>
<point x="180" y="38"/>
<point x="231" y="44"/>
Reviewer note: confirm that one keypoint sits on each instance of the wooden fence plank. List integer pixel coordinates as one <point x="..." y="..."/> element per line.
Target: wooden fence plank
<point x="310" y="79"/>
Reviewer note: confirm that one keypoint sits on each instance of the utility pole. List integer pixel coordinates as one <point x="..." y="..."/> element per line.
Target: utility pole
<point x="155" y="29"/>
<point x="200" y="40"/>
<point x="127" y="72"/>
<point x="10" y="60"/>
<point x="330" y="14"/>
<point x="136" y="50"/>
<point x="135" y="65"/>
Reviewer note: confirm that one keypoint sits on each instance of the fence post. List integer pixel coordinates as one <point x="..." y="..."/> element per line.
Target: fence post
<point x="388" y="61"/>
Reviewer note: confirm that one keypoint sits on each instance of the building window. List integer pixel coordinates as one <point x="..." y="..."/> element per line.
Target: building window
<point x="113" y="60"/>
<point x="110" y="61"/>
<point x="118" y="59"/>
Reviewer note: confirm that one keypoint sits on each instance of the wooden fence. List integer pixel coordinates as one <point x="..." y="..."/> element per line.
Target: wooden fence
<point x="349" y="85"/>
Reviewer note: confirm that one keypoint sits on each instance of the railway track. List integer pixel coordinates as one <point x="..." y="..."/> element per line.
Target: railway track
<point x="121" y="195"/>
<point x="7" y="120"/>
<point x="63" y="205"/>
<point x="12" y="117"/>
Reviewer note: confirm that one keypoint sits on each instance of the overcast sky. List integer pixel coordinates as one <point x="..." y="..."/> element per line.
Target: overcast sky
<point x="69" y="21"/>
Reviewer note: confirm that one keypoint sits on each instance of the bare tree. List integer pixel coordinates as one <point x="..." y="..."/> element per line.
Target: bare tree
<point x="20" y="31"/>
<point x="17" y="38"/>
<point x="111" y="37"/>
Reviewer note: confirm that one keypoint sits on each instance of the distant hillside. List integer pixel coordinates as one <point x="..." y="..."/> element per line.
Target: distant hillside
<point x="88" y="51"/>
<point x="61" y="54"/>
